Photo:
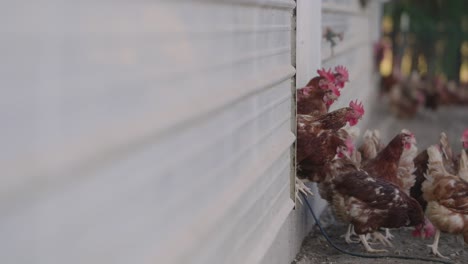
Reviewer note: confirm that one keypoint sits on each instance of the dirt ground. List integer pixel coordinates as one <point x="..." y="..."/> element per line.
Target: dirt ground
<point x="315" y="248"/>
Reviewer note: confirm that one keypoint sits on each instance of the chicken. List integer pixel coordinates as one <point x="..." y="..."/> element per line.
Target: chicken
<point x="321" y="150"/>
<point x="416" y="192"/>
<point x="313" y="165"/>
<point x="420" y="163"/>
<point x="338" y="118"/>
<point x="341" y="76"/>
<point x="370" y="203"/>
<point x="318" y="95"/>
<point x="338" y="165"/>
<point x="386" y="164"/>
<point x="318" y="138"/>
<point x="463" y="166"/>
<point x="308" y="131"/>
<point x="464" y="139"/>
<point x="447" y="154"/>
<point x="446" y="92"/>
<point x="320" y="92"/>
<point x="330" y="171"/>
<point x="406" y="97"/>
<point x="406" y="167"/>
<point x="309" y="128"/>
<point x="371" y="145"/>
<point x="447" y="199"/>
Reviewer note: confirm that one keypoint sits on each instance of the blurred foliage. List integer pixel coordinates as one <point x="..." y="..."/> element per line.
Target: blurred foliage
<point x="432" y="31"/>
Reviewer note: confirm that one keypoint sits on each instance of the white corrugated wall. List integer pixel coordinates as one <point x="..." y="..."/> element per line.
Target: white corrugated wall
<point x="155" y="131"/>
<point x="359" y="26"/>
<point x="144" y="132"/>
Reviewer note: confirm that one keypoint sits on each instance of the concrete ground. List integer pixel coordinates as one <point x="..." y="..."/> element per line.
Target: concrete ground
<point x="426" y="126"/>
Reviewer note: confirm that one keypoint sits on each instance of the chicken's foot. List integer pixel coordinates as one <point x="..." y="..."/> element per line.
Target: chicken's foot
<point x="301" y="187"/>
<point x="368" y="248"/>
<point x="382" y="239"/>
<point x="435" y="245"/>
<point x="388" y="236"/>
<point x="348" y="235"/>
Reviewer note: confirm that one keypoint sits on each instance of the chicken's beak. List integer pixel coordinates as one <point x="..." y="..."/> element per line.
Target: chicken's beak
<point x="336" y="157"/>
<point x="413" y="140"/>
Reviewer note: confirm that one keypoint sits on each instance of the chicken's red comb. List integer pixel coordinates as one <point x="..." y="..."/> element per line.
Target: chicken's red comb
<point x="341" y="70"/>
<point x="328" y="75"/>
<point x="465" y="135"/>
<point x="358" y="107"/>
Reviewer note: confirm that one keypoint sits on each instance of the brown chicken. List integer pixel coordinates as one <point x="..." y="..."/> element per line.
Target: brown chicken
<point x="451" y="166"/>
<point x="340" y="164"/>
<point x="337" y="119"/>
<point x="386" y="164"/>
<point x="312" y="166"/>
<point x="406" y="168"/>
<point x="309" y="129"/>
<point x="318" y="139"/>
<point x="370" y="203"/>
<point x="316" y="101"/>
<point x="464" y="141"/>
<point x="316" y="97"/>
<point x="447" y="199"/>
<point x="406" y="97"/>
<point x="420" y="163"/>
<point x="371" y="145"/>
<point x="313" y="101"/>
<point x="341" y="76"/>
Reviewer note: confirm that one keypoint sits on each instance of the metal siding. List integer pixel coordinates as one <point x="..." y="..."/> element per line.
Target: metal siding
<point x="354" y="52"/>
<point x="138" y="132"/>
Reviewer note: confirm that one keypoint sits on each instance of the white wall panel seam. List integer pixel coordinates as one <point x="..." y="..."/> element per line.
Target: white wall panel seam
<point x="226" y="64"/>
<point x="210" y="176"/>
<point x="88" y="159"/>
<point x="282" y="4"/>
<point x="229" y="197"/>
<point x="269" y="237"/>
<point x="231" y="226"/>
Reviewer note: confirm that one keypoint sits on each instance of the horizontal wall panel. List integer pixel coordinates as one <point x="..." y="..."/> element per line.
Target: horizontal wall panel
<point x="133" y="131"/>
<point x="78" y="116"/>
<point x="342" y="6"/>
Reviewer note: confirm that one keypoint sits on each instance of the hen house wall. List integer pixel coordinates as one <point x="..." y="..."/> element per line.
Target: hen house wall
<point x="144" y="132"/>
<point x="360" y="30"/>
<point x="360" y="27"/>
<point x="150" y="132"/>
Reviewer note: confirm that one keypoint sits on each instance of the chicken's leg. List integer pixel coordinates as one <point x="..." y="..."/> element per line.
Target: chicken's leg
<point x="435" y="245"/>
<point x="348" y="235"/>
<point x="388" y="236"/>
<point x="368" y="248"/>
<point x="301" y="187"/>
<point x="382" y="239"/>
